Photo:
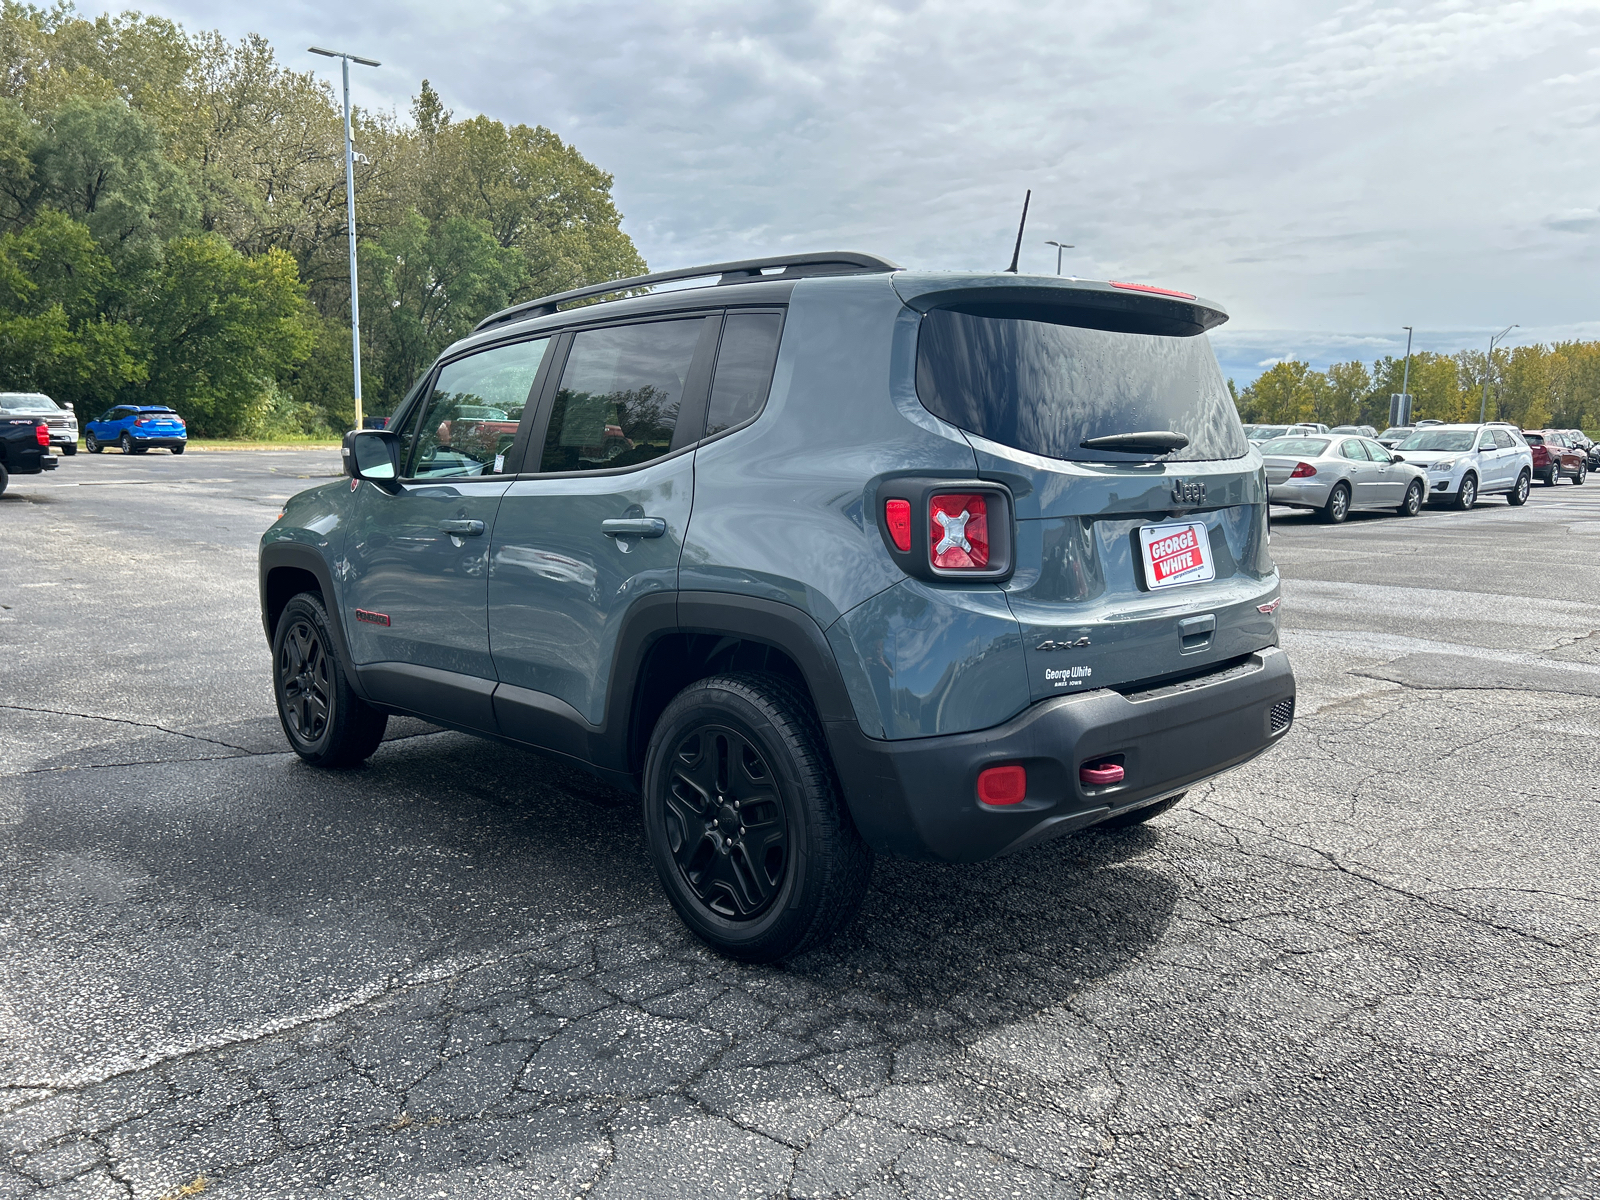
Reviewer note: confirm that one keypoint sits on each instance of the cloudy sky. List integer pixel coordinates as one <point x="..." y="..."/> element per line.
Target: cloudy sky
<point x="1328" y="172"/>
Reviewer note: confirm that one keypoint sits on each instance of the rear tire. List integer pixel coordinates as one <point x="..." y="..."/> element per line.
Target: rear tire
<point x="1139" y="816"/>
<point x="177" y="449"/>
<point x="126" y="443"/>
<point x="1338" y="506"/>
<point x="326" y="723"/>
<point x="1413" y="501"/>
<point x="1518" y="495"/>
<point x="758" y="888"/>
<point x="1468" y="495"/>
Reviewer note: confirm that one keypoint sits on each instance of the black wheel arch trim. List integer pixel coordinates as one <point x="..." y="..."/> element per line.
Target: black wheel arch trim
<point x="282" y="555"/>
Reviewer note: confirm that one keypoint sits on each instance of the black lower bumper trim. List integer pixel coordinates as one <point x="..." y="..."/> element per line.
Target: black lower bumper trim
<point x="918" y="798"/>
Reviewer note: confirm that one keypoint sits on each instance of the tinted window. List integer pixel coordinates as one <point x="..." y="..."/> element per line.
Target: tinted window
<point x="470" y="418"/>
<point x="1352" y="449"/>
<point x="1048" y="388"/>
<point x="1298" y="446"/>
<point x="619" y="396"/>
<point x="1449" y="440"/>
<point x="744" y="369"/>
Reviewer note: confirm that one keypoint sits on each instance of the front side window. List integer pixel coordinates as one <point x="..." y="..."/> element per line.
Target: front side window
<point x="1047" y="388"/>
<point x="1486" y="440"/>
<point x="1376" y="452"/>
<point x="469" y="420"/>
<point x="620" y="391"/>
<point x="745" y="359"/>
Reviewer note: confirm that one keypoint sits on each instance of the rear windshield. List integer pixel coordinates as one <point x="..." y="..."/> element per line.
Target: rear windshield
<point x="1304" y="447"/>
<point x="1047" y="388"/>
<point x="1394" y="433"/>
<point x="1533" y="439"/>
<point x="1443" y="439"/>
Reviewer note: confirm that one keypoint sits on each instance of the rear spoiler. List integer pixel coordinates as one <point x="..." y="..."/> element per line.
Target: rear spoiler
<point x="1121" y="308"/>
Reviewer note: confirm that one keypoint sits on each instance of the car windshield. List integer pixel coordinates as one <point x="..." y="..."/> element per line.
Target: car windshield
<point x="1451" y="440"/>
<point x="1394" y="433"/>
<point x="1345" y="429"/>
<point x="1047" y="388"/>
<point x="1265" y="433"/>
<point x="28" y="402"/>
<point x="1300" y="447"/>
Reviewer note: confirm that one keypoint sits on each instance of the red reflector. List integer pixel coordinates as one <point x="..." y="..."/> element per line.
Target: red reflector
<point x="958" y="531"/>
<point x="41" y="434"/>
<point x="1003" y="785"/>
<point x="1271" y="606"/>
<point x="897" y="514"/>
<point x="1099" y="774"/>
<point x="1302" y="471"/>
<point x="1150" y="287"/>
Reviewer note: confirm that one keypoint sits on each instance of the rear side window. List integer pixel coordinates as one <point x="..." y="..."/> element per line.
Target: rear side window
<point x="1504" y="440"/>
<point x="1353" y="449"/>
<point x="1047" y="388"/>
<point x="745" y="359"/>
<point x="617" y="405"/>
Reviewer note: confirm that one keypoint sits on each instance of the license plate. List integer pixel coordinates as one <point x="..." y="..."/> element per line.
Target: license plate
<point x="1176" y="554"/>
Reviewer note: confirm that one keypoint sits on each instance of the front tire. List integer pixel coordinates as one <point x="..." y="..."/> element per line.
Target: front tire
<point x="1583" y="473"/>
<point x="1338" y="506"/>
<point x="1412" y="505"/>
<point x="326" y="723"/>
<point x="91" y="445"/>
<point x="5" y="478"/>
<point x="1518" y="495"/>
<point x="69" y="449"/>
<point x="1468" y="495"/>
<point x="745" y="822"/>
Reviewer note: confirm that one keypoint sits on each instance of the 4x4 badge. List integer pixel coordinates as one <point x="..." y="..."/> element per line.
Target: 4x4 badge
<point x="1188" y="493"/>
<point x="1083" y="641"/>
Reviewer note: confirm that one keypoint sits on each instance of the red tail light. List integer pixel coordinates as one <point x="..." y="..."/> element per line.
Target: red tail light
<point x="897" y="513"/>
<point x="1003" y="785"/>
<point x="1302" y="471"/>
<point x="958" y="531"/>
<point x="41" y="434"/>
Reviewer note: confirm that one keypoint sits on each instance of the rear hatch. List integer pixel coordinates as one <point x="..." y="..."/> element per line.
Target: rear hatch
<point x="1136" y="561"/>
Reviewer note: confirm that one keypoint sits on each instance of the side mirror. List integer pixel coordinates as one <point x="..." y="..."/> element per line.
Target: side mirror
<point x="1395" y="458"/>
<point x="372" y="454"/>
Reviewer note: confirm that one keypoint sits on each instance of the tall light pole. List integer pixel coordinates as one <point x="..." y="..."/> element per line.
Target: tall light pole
<point x="1060" y="246"/>
<point x="1405" y="379"/>
<point x="1488" y="366"/>
<point x="350" y="211"/>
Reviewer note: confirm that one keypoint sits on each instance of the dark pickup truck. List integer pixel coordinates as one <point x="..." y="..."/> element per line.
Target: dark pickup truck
<point x="24" y="448"/>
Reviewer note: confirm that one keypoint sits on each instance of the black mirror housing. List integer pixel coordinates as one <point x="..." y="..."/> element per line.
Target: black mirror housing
<point x="372" y="454"/>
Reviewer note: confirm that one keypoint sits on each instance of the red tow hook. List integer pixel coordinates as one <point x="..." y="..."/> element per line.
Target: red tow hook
<point x="1099" y="774"/>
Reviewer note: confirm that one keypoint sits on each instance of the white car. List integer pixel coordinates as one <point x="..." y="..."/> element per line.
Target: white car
<point x="63" y="422"/>
<point x="1465" y="462"/>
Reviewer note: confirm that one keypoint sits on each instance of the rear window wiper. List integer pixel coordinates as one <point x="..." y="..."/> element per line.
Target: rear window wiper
<point x="1151" y="441"/>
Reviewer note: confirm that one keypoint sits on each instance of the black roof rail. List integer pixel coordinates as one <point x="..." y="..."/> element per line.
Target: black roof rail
<point x="795" y="266"/>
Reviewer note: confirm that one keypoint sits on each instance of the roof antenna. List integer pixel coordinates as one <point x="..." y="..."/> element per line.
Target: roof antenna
<point x="1020" y="227"/>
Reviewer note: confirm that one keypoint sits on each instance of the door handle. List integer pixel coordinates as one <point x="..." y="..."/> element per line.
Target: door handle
<point x="461" y="528"/>
<point x="650" y="527"/>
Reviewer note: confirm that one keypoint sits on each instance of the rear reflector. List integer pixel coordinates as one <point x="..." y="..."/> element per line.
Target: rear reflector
<point x="1302" y="471"/>
<point x="1099" y="774"/>
<point x="1003" y="785"/>
<point x="1150" y="287"/>
<point x="897" y="514"/>
<point x="1271" y="606"/>
<point x="958" y="532"/>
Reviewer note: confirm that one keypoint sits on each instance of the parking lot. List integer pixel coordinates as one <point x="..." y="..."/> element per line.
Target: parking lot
<point x="1367" y="964"/>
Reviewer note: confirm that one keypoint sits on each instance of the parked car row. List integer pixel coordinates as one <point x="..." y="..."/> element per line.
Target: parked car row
<point x="1453" y="465"/>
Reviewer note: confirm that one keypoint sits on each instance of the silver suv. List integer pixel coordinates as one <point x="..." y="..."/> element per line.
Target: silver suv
<point x="1465" y="462"/>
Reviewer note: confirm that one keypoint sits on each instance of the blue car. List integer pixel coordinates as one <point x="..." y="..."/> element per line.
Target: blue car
<point x="136" y="428"/>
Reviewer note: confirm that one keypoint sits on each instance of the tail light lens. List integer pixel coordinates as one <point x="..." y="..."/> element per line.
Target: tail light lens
<point x="41" y="434"/>
<point x="1003" y="785"/>
<point x="897" y="515"/>
<point x="958" y="531"/>
<point x="1302" y="471"/>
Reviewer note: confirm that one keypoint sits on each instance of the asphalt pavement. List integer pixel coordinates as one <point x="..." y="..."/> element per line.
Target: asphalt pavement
<point x="1363" y="965"/>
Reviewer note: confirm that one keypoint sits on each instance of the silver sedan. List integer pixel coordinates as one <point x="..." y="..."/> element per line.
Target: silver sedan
<point x="1337" y="474"/>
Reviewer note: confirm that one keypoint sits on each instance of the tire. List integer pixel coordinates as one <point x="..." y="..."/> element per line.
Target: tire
<point x="1139" y="816"/>
<point x="728" y="746"/>
<point x="326" y="723"/>
<point x="1338" y="506"/>
<point x="69" y="449"/>
<point x="1518" y="495"/>
<point x="5" y="478"/>
<point x="1468" y="495"/>
<point x="91" y="445"/>
<point x="1550" y="479"/>
<point x="178" y="449"/>
<point x="1583" y="473"/>
<point x="126" y="442"/>
<point x="1412" y="504"/>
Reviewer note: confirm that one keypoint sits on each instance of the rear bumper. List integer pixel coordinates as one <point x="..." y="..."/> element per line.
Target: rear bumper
<point x="1313" y="494"/>
<point x="917" y="798"/>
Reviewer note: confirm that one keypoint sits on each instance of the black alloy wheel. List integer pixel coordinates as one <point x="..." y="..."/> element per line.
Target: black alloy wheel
<point x="1338" y="506"/>
<point x="744" y="820"/>
<point x="126" y="442"/>
<point x="91" y="444"/>
<point x="727" y="822"/>
<point x="1468" y="495"/>
<point x="1413" y="501"/>
<point x="326" y="723"/>
<point x="1518" y="495"/>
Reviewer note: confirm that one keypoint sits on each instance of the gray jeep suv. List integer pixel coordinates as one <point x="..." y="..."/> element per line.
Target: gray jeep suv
<point x="828" y="560"/>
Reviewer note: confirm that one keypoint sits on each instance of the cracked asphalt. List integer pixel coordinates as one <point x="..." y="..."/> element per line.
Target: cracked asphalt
<point x="1362" y="966"/>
